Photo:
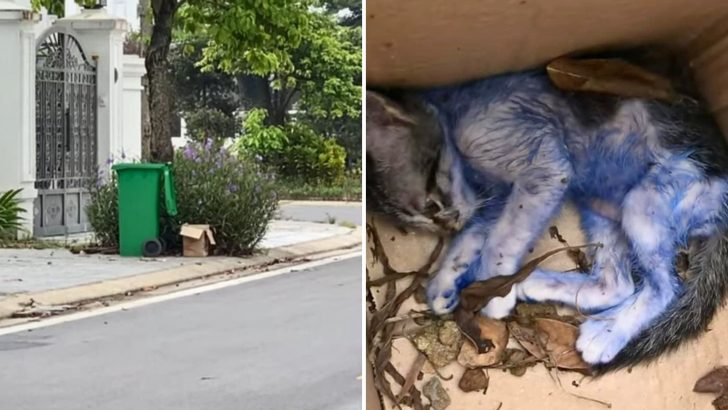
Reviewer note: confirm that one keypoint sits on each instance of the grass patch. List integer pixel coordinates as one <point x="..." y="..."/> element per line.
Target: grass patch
<point x="347" y="224"/>
<point x="349" y="189"/>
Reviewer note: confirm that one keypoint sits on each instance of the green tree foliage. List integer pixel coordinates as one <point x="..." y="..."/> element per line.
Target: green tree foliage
<point x="295" y="150"/>
<point x="305" y="59"/>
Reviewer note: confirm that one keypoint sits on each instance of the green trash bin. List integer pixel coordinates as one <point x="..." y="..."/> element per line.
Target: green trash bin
<point x="139" y="206"/>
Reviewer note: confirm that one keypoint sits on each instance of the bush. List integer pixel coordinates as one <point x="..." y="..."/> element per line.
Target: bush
<point x="10" y="210"/>
<point x="295" y="151"/>
<point x="233" y="196"/>
<point x="210" y="123"/>
<point x="102" y="210"/>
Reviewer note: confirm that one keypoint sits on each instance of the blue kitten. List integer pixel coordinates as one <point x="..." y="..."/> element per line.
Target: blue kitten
<point x="646" y="176"/>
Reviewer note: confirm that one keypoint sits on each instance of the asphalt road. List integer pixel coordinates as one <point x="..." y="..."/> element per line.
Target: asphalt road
<point x="350" y="213"/>
<point x="286" y="342"/>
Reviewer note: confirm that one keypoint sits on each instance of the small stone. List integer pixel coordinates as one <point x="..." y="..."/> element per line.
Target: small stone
<point x="430" y="342"/>
<point x="449" y="333"/>
<point x="433" y="390"/>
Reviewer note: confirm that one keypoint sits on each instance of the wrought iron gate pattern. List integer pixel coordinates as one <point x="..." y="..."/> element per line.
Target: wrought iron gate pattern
<point x="66" y="135"/>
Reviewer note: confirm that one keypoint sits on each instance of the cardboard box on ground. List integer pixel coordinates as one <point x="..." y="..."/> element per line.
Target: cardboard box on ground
<point x="196" y="240"/>
<point x="430" y="42"/>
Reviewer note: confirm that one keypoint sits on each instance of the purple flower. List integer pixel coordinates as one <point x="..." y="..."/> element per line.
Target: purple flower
<point x="257" y="189"/>
<point x="189" y="152"/>
<point x="208" y="144"/>
<point x="110" y="160"/>
<point x="232" y="188"/>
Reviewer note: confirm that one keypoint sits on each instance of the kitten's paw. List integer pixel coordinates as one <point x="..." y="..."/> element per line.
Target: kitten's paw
<point x="600" y="340"/>
<point x="499" y="308"/>
<point x="442" y="297"/>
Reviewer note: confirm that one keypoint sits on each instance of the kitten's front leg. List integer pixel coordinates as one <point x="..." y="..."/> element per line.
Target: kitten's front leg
<point x="535" y="198"/>
<point x="457" y="270"/>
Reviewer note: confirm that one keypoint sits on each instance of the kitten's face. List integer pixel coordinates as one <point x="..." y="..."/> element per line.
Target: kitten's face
<point x="404" y="141"/>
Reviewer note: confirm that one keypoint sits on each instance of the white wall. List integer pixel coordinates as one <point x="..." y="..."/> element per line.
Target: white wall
<point x="124" y="9"/>
<point x="131" y="139"/>
<point x="17" y="106"/>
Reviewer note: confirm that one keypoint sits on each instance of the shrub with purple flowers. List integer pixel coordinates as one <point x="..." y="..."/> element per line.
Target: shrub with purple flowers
<point x="235" y="196"/>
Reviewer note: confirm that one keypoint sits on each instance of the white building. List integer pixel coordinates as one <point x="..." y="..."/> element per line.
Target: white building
<point x="71" y="100"/>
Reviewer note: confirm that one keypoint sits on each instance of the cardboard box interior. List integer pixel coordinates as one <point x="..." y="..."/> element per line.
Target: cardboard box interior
<point x="430" y="42"/>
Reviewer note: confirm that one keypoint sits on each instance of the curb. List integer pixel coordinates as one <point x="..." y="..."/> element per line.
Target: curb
<point x="120" y="286"/>
<point x="313" y="202"/>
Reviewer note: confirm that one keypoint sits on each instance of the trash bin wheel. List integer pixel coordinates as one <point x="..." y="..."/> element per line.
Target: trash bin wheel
<point x="153" y="248"/>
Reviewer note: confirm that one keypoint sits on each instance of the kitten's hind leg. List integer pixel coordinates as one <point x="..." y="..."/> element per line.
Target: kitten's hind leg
<point x="457" y="270"/>
<point x="673" y="201"/>
<point x="609" y="282"/>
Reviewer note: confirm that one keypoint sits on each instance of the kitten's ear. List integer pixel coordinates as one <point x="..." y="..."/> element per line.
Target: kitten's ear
<point x="384" y="111"/>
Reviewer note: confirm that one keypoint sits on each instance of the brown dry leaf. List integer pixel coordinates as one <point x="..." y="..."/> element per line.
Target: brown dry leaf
<point x="716" y="381"/>
<point x="609" y="76"/>
<point x="721" y="403"/>
<point x="474" y="380"/>
<point x="576" y="255"/>
<point x="412" y="376"/>
<point x="468" y="323"/>
<point x="494" y="331"/>
<point x="528" y="338"/>
<point x="558" y="339"/>
<point x="517" y="361"/>
<point x="526" y="312"/>
<point x="478" y="294"/>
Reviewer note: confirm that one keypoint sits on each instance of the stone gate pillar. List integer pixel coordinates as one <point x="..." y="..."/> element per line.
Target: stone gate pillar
<point x="102" y="38"/>
<point x="17" y="102"/>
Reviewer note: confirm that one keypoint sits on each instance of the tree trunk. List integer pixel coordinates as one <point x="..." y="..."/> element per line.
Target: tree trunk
<point x="146" y="32"/>
<point x="160" y="90"/>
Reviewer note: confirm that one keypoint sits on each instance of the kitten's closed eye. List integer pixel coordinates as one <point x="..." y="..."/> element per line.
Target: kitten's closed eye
<point x="403" y="145"/>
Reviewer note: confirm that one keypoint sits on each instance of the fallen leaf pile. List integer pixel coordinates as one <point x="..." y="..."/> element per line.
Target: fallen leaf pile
<point x="475" y="342"/>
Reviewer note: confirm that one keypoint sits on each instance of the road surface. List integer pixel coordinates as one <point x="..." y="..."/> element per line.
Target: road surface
<point x="287" y="342"/>
<point x="340" y="213"/>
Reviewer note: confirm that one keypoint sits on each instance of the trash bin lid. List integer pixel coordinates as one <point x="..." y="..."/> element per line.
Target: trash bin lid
<point x="137" y="166"/>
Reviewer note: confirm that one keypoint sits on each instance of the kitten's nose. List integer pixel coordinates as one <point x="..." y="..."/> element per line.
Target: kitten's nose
<point x="432" y="207"/>
<point x="449" y="219"/>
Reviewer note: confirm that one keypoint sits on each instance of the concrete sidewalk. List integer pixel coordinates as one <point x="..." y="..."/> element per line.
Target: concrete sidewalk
<point x="56" y="277"/>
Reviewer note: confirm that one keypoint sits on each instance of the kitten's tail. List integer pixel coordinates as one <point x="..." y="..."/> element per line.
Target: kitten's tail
<point x="689" y="315"/>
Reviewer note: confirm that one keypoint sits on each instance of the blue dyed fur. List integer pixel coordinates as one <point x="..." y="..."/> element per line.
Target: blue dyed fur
<point x="516" y="150"/>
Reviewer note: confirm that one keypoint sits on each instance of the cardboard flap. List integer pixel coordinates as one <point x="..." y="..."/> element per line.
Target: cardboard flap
<point x="209" y="236"/>
<point x="430" y="42"/>
<point x="194" y="231"/>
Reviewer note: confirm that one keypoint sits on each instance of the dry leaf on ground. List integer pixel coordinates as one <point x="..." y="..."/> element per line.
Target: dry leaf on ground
<point x="493" y="330"/>
<point x="559" y="339"/>
<point x="716" y="381"/>
<point x="474" y="380"/>
<point x="609" y="76"/>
